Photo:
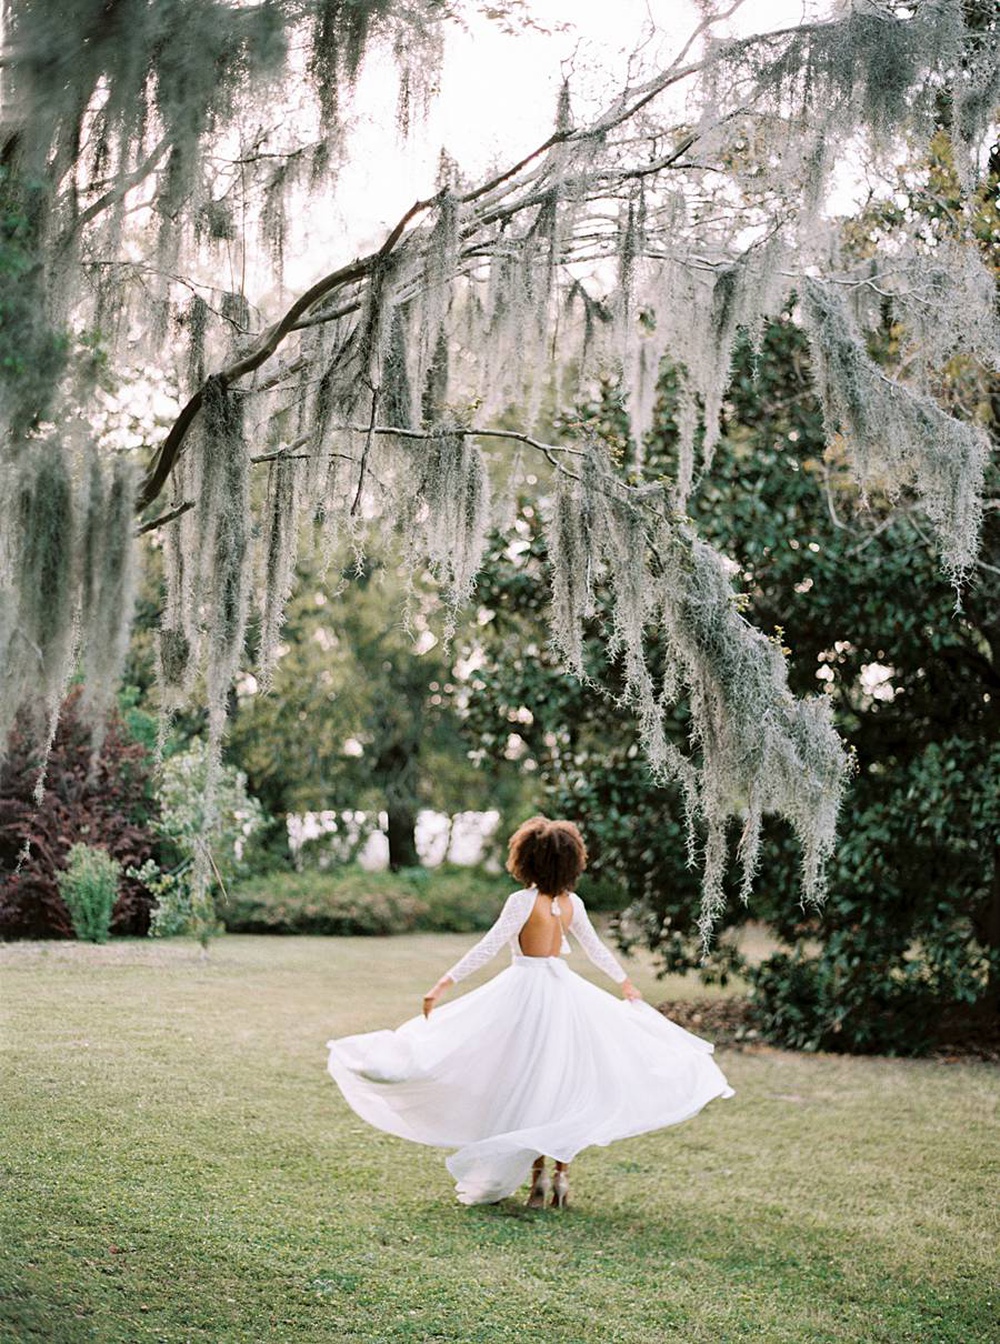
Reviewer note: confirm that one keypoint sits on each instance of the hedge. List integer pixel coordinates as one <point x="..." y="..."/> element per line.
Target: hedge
<point x="351" y="901"/>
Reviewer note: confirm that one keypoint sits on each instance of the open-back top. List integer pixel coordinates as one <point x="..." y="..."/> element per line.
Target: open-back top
<point x="512" y="919"/>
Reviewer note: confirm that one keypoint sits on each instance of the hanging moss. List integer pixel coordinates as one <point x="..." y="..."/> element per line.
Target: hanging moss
<point x="215" y="223"/>
<point x="761" y="749"/>
<point x="108" y="588"/>
<point x="440" y="267"/>
<point x="174" y="658"/>
<point x="628" y="252"/>
<point x="273" y="221"/>
<point x="224" y="509"/>
<point x="868" y="67"/>
<point x="943" y="304"/>
<point x="278" y="568"/>
<point x="32" y="350"/>
<point x="571" y="558"/>
<point x="976" y="92"/>
<point x="434" y="400"/>
<point x="45" y="582"/>
<point x="341" y="32"/>
<point x="182" y="622"/>
<point x="397" y="389"/>
<point x="755" y="749"/>
<point x="196" y="321"/>
<point x="441" y="507"/>
<point x="896" y="437"/>
<point x="92" y="538"/>
<point x="696" y="317"/>
<point x="329" y="399"/>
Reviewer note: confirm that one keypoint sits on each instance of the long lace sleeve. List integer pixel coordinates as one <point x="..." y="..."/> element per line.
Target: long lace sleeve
<point x="586" y="935"/>
<point x="515" y="911"/>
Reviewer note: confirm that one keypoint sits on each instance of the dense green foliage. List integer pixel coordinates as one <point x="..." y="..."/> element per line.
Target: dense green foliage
<point x="89" y="887"/>
<point x="910" y="933"/>
<point x="910" y="929"/>
<point x="351" y="901"/>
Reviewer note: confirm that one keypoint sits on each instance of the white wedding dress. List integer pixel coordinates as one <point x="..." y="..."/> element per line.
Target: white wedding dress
<point x="536" y="1061"/>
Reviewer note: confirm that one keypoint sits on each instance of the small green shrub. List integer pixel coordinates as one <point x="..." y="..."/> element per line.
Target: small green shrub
<point x="89" y="886"/>
<point x="351" y="901"/>
<point x="105" y="803"/>
<point x="202" y="851"/>
<point x="179" y="909"/>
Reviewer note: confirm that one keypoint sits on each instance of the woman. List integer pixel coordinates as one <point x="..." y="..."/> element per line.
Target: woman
<point x="537" y="1062"/>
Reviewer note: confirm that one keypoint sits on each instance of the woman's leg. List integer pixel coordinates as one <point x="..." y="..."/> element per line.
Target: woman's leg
<point x="540" y="1184"/>
<point x="560" y="1186"/>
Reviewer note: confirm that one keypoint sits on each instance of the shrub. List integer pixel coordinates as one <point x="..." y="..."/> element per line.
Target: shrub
<point x="351" y="901"/>
<point x="314" y="902"/>
<point x="827" y="1003"/>
<point x="89" y="886"/>
<point x="458" y="899"/>
<point x="110" y="806"/>
<point x="197" y="848"/>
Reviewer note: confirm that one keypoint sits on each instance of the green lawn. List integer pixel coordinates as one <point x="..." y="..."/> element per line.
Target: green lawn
<point x="178" y="1166"/>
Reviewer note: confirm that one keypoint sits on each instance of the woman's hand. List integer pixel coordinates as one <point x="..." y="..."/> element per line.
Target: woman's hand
<point x="432" y="995"/>
<point x="630" y="992"/>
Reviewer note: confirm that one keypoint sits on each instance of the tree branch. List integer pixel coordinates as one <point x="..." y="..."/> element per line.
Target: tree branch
<point x="459" y="432"/>
<point x="365" y="453"/>
<point x="165" y="518"/>
<point x="118" y="191"/>
<point x="165" y="459"/>
<point x="530" y="192"/>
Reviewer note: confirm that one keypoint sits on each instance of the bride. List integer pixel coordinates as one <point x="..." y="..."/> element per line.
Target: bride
<point x="537" y="1062"/>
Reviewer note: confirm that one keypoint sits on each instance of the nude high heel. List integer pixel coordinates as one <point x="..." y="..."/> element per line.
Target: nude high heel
<point x="560" y="1190"/>
<point x="541" y="1184"/>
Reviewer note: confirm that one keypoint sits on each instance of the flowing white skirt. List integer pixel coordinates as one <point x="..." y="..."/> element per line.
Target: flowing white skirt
<point x="536" y="1061"/>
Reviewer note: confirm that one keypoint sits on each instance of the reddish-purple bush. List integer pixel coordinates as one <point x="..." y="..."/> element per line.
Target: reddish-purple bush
<point x="111" y="807"/>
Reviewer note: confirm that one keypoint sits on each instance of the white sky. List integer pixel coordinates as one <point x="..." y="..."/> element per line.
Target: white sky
<point x="498" y="94"/>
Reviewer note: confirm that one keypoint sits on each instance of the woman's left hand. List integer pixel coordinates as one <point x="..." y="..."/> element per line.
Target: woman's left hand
<point x="630" y="992"/>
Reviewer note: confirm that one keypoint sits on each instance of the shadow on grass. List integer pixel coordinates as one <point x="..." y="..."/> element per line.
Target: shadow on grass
<point x="677" y="1278"/>
<point x="845" y="1284"/>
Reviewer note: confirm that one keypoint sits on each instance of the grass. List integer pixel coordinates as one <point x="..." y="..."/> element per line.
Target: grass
<point x="178" y="1167"/>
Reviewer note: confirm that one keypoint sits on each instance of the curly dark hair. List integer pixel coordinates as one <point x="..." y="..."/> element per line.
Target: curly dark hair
<point x="549" y="855"/>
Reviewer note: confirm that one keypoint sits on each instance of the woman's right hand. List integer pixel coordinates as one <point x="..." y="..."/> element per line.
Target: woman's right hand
<point x="432" y="995"/>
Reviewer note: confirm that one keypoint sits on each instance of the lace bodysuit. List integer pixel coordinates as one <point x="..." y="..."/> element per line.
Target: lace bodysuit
<point x="512" y="919"/>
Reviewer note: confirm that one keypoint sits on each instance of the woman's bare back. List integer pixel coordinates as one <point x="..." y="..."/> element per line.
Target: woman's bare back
<point x="542" y="932"/>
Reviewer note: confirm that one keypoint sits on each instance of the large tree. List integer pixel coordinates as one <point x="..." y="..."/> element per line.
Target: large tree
<point x="360" y="714"/>
<point x="150" y="148"/>
<point x="909" y="938"/>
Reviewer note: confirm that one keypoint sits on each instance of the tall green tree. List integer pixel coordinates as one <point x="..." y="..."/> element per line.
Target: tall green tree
<point x="852" y="591"/>
<point x="359" y="714"/>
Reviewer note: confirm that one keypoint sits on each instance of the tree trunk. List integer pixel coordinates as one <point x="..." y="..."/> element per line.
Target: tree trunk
<point x="402" y="836"/>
